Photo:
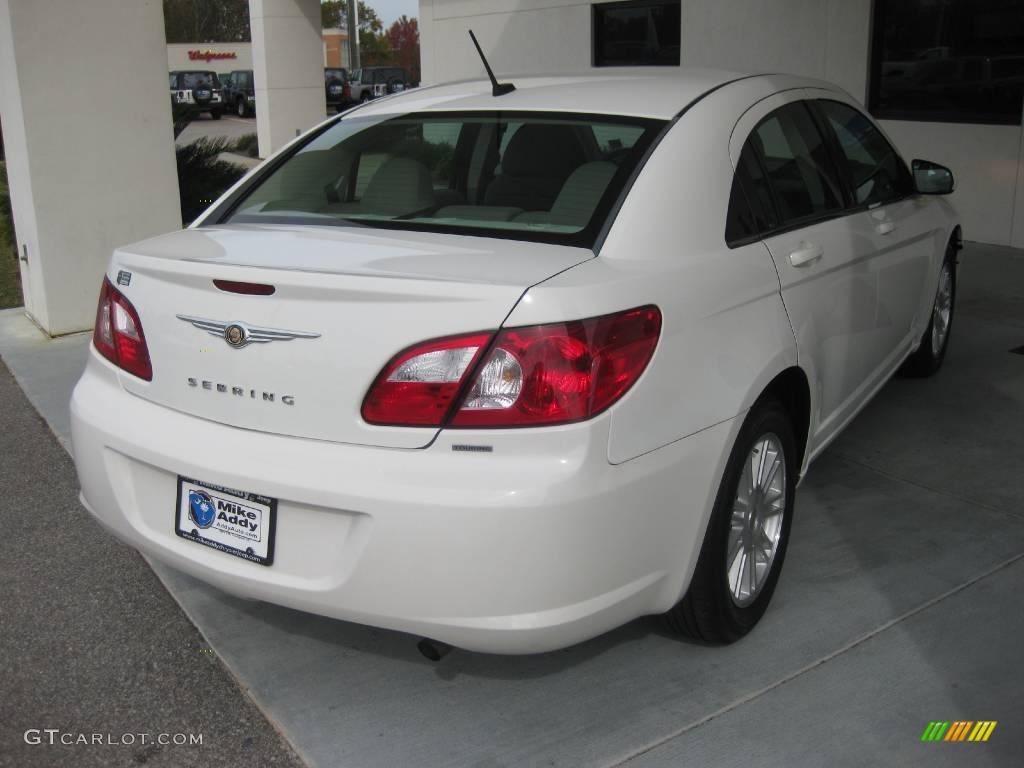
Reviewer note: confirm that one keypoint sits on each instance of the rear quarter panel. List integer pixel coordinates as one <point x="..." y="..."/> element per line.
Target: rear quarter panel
<point x="725" y="331"/>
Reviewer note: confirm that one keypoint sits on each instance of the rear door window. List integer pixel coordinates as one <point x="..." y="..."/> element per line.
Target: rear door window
<point x="751" y="206"/>
<point x="797" y="164"/>
<point x="874" y="170"/>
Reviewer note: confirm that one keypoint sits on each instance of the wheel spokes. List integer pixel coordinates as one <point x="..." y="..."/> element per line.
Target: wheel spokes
<point x="755" y="525"/>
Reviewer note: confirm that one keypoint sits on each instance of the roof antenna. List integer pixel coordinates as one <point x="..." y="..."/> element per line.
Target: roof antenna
<point x="499" y="89"/>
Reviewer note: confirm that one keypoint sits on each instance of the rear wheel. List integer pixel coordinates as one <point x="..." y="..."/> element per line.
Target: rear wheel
<point x="215" y="114"/>
<point x="240" y="108"/>
<point x="746" y="538"/>
<point x="932" y="350"/>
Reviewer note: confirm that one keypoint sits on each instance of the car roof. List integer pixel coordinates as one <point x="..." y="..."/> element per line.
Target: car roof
<point x="658" y="94"/>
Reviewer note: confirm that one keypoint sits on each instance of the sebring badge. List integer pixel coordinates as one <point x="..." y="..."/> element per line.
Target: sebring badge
<point x="238" y="334"/>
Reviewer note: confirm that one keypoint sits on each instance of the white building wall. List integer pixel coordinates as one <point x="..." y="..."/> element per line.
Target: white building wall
<point x="90" y="168"/>
<point x="829" y="39"/>
<point x="178" y="56"/>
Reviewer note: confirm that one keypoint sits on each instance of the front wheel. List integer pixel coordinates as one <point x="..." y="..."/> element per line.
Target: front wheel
<point x="241" y="108"/>
<point x="932" y="349"/>
<point x="745" y="542"/>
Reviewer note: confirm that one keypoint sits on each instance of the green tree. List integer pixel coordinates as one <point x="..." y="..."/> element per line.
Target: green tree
<point x="374" y="46"/>
<point x="332" y="14"/>
<point x="206" y="21"/>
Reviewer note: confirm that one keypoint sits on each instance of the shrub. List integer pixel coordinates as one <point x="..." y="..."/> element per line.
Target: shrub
<point x="247" y="145"/>
<point x="202" y="177"/>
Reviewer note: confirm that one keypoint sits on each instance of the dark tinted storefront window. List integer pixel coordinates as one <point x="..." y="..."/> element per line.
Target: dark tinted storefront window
<point x="637" y="33"/>
<point x="948" y="60"/>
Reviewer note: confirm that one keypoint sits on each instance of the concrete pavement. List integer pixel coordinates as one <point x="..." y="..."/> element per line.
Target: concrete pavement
<point x="229" y="127"/>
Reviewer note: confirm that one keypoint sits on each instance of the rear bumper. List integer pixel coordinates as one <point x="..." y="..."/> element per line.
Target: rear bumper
<point x="534" y="546"/>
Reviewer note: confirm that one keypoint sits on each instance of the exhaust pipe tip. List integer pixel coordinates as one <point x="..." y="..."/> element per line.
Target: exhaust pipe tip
<point x="432" y="649"/>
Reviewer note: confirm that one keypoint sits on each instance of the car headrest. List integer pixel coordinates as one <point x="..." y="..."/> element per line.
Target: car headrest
<point x="545" y="151"/>
<point x="401" y="185"/>
<point x="582" y="192"/>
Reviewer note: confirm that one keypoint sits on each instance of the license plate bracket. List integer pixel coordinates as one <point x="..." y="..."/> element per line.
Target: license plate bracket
<point x="234" y="522"/>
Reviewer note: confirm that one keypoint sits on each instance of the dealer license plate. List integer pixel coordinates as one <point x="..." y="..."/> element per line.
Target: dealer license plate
<point x="234" y="522"/>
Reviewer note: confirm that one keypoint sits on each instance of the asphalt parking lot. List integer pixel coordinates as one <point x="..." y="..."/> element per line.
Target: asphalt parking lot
<point x="899" y="605"/>
<point x="92" y="642"/>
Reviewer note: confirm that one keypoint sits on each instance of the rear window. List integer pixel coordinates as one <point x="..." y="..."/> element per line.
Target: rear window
<point x="521" y="175"/>
<point x="198" y="79"/>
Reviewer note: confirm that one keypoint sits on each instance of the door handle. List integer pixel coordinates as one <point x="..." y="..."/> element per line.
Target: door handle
<point x="806" y="255"/>
<point x="886" y="227"/>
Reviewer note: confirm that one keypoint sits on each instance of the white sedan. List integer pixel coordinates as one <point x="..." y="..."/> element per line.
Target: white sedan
<point x="506" y="372"/>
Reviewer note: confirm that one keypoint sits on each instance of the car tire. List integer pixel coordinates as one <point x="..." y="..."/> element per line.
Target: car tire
<point x="241" y="109"/>
<point x="930" y="353"/>
<point x="364" y="97"/>
<point x="726" y="598"/>
<point x="215" y="114"/>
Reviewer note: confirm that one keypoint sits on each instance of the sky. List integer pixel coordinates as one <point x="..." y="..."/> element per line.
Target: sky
<point x="389" y="10"/>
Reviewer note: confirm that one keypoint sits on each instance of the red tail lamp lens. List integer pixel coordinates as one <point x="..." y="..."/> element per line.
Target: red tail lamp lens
<point x="251" y="289"/>
<point x="534" y="376"/>
<point x="417" y="388"/>
<point x="562" y="372"/>
<point x="118" y="333"/>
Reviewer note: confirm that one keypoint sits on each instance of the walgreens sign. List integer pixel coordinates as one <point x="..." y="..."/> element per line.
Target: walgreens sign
<point x="209" y="56"/>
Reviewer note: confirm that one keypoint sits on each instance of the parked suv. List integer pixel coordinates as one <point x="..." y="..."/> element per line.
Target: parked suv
<point x="336" y="88"/>
<point x="240" y="92"/>
<point x="199" y="88"/>
<point x="370" y="82"/>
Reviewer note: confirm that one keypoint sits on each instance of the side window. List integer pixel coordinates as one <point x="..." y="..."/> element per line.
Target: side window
<point x="751" y="209"/>
<point x="796" y="160"/>
<point x="874" y="170"/>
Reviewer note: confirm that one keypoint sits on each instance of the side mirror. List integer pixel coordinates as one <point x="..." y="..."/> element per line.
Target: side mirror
<point x="932" y="178"/>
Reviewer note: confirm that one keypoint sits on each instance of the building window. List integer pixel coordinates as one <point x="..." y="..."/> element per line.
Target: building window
<point x="948" y="60"/>
<point x="639" y="33"/>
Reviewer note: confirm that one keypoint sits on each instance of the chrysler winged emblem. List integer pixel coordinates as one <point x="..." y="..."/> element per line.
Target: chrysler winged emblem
<point x="238" y="334"/>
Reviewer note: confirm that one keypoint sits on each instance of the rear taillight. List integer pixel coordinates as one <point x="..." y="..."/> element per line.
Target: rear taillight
<point x="535" y="376"/>
<point x="418" y="387"/>
<point x="118" y="334"/>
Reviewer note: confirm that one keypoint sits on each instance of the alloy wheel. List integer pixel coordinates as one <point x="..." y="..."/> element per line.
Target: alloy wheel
<point x="942" y="310"/>
<point x="757" y="517"/>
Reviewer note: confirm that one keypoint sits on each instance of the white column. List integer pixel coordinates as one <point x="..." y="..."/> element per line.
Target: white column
<point x="288" y="67"/>
<point x="89" y="144"/>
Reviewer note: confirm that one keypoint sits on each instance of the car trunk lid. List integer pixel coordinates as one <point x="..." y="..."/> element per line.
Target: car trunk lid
<point x="345" y="301"/>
